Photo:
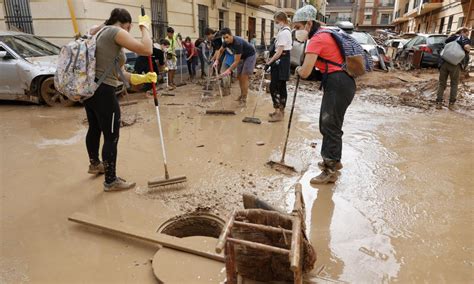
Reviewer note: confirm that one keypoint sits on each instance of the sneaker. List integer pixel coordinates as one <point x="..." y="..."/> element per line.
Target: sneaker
<point x="96" y="169"/>
<point x="278" y="116"/>
<point x="326" y="176"/>
<point x="439" y="105"/>
<point x="337" y="166"/>
<point x="241" y="98"/>
<point x="118" y="184"/>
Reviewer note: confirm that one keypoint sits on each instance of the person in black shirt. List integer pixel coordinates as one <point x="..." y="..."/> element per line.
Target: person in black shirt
<point x="453" y="71"/>
<point x="158" y="61"/>
<point x="245" y="58"/>
<point x="215" y="40"/>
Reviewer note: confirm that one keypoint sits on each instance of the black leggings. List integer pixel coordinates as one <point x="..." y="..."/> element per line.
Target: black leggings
<point x="103" y="115"/>
<point x="279" y="93"/>
<point x="192" y="66"/>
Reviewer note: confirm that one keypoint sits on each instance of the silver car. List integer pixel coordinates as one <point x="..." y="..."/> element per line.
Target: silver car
<point x="27" y="66"/>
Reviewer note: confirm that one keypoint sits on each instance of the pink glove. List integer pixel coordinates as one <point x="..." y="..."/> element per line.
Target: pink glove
<point x="227" y="72"/>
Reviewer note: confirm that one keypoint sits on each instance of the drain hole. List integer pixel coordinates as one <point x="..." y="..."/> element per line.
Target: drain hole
<point x="189" y="225"/>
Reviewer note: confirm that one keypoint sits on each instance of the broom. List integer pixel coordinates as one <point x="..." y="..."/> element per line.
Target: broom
<point x="167" y="182"/>
<point x="223" y="110"/>
<point x="254" y="119"/>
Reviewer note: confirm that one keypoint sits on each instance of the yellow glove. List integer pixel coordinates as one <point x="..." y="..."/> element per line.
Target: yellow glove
<point x="137" y="79"/>
<point x="144" y="21"/>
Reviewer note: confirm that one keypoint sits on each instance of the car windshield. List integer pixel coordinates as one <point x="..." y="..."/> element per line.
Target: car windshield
<point x="363" y="38"/>
<point x="436" y="39"/>
<point x="30" y="46"/>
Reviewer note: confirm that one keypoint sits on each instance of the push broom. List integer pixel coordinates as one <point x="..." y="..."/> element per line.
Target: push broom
<point x="167" y="182"/>
<point x="279" y="165"/>
<point x="254" y="119"/>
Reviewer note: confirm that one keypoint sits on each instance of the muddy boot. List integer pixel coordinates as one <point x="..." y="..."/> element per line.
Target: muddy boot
<point x="326" y="176"/>
<point x="118" y="184"/>
<point x="279" y="115"/>
<point x="96" y="169"/>
<point x="271" y="114"/>
<point x="452" y="106"/>
<point x="338" y="166"/>
<point x="439" y="105"/>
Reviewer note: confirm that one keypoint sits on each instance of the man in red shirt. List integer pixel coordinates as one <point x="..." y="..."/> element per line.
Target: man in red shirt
<point x="338" y="87"/>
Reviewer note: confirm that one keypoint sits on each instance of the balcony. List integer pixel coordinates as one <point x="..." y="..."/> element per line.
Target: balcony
<point x="258" y="3"/>
<point x="430" y="5"/>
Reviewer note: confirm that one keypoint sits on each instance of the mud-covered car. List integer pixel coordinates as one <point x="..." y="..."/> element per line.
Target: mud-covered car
<point x="27" y="66"/>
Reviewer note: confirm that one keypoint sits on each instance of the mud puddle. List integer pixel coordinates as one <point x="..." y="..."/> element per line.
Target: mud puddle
<point x="399" y="212"/>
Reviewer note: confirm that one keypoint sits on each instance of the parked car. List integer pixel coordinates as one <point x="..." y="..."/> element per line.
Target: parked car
<point x="369" y="45"/>
<point x="396" y="42"/>
<point x="27" y="66"/>
<point x="429" y="44"/>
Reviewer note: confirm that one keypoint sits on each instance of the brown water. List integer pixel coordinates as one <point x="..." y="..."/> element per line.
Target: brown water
<point x="401" y="210"/>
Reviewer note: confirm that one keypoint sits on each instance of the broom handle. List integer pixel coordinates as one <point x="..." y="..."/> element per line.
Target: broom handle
<point x="259" y="92"/>
<point x="157" y="107"/>
<point x="292" y="107"/>
<point x="220" y="89"/>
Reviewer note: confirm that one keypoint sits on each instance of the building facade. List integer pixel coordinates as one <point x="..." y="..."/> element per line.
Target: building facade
<point x="53" y="20"/>
<point x="433" y="16"/>
<point x="364" y="14"/>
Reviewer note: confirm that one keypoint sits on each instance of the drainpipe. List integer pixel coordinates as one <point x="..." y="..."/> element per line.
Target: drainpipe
<point x="193" y="2"/>
<point x="77" y="34"/>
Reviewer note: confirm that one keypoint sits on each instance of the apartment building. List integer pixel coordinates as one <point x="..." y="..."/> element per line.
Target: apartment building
<point x="365" y="14"/>
<point x="433" y="16"/>
<point x="52" y="19"/>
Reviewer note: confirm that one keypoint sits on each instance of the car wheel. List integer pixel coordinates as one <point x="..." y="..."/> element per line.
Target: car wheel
<point x="51" y="96"/>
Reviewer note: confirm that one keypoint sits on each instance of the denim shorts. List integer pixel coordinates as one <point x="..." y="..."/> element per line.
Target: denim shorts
<point x="247" y="65"/>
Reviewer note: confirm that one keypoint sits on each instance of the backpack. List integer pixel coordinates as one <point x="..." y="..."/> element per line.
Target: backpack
<point x="356" y="61"/>
<point x="453" y="53"/>
<point x="198" y="42"/>
<point x="75" y="72"/>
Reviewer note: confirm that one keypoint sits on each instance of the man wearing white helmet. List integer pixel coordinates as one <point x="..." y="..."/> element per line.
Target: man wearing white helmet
<point x="339" y="88"/>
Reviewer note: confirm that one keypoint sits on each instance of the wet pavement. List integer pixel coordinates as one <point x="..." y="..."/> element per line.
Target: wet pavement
<point x="400" y="211"/>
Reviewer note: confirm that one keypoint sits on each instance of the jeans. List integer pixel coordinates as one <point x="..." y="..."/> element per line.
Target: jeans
<point x="339" y="91"/>
<point x="103" y="116"/>
<point x="203" y="63"/>
<point x="453" y="71"/>
<point x="192" y="63"/>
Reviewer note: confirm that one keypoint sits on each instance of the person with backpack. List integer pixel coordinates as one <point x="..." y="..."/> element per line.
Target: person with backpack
<point x="245" y="58"/>
<point x="191" y="56"/>
<point x="280" y="66"/>
<point x="103" y="109"/>
<point x="202" y="53"/>
<point x="452" y="69"/>
<point x="338" y="88"/>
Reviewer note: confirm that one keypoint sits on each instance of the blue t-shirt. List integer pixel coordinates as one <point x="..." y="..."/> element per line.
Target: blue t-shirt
<point x="240" y="46"/>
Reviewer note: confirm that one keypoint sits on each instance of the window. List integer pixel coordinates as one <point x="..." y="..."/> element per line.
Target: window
<point x="263" y="33"/>
<point x="450" y="23"/>
<point x="18" y="15"/>
<point x="441" y="26"/>
<point x="460" y="22"/>
<point x="238" y="24"/>
<point x="203" y="19"/>
<point x="221" y="20"/>
<point x="385" y="19"/>
<point x="368" y="17"/>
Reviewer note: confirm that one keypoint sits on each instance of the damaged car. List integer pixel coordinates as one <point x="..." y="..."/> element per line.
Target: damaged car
<point x="27" y="66"/>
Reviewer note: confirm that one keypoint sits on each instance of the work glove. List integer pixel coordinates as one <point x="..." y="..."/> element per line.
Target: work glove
<point x="144" y="21"/>
<point x="227" y="72"/>
<point x="137" y="79"/>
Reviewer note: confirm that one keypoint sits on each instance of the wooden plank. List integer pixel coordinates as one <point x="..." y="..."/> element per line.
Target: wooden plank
<point x="295" y="253"/>
<point x="258" y="246"/>
<point x="225" y="233"/>
<point x="161" y="239"/>
<point x="262" y="227"/>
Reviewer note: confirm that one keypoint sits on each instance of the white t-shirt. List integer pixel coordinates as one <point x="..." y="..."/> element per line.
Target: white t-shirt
<point x="284" y="39"/>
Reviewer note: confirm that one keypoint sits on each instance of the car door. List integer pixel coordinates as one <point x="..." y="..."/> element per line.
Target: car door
<point x="10" y="85"/>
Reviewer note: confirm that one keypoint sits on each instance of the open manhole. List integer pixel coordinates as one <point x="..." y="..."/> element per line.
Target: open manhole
<point x="193" y="224"/>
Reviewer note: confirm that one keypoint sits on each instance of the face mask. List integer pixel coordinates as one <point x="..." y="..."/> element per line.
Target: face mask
<point x="301" y="35"/>
<point x="279" y="26"/>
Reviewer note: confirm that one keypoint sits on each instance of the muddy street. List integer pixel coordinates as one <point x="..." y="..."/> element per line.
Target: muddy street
<point x="400" y="211"/>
